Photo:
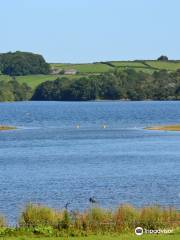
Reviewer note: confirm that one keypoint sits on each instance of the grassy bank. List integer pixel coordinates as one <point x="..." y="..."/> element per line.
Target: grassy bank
<point x="165" y="128"/>
<point x="93" y="223"/>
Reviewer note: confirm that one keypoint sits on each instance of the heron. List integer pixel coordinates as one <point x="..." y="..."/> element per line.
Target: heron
<point x="66" y="205"/>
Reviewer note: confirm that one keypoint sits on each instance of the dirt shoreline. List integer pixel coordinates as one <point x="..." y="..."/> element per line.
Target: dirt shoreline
<point x="5" y="128"/>
<point x="165" y="128"/>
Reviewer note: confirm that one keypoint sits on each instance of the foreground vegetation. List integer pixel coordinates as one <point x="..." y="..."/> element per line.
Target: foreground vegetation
<point x="93" y="223"/>
<point x="104" y="237"/>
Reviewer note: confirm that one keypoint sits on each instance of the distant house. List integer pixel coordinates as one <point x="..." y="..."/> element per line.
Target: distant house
<point x="56" y="71"/>
<point x="70" y="72"/>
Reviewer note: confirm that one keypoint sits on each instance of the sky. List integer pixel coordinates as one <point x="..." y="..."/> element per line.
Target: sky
<point x="78" y="31"/>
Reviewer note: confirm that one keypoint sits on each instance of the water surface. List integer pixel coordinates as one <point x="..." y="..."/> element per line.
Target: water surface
<point x="49" y="160"/>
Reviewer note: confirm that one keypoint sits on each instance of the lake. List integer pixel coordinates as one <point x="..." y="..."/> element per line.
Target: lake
<point x="70" y="151"/>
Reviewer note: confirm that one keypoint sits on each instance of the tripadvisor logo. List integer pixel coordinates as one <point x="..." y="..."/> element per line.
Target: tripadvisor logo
<point x="139" y="231"/>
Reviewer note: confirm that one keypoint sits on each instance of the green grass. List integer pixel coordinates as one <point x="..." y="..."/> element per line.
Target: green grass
<point x="133" y="64"/>
<point x="100" y="237"/>
<point x="34" y="80"/>
<point x="147" y="66"/>
<point x="169" y="65"/>
<point x="84" y="68"/>
<point x="5" y="77"/>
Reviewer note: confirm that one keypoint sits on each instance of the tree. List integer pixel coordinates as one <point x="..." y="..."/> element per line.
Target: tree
<point x="114" y="85"/>
<point x="163" y="58"/>
<point x="14" y="91"/>
<point x="23" y="63"/>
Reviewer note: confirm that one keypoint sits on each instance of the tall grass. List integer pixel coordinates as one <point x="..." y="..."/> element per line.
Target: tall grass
<point x="126" y="218"/>
<point x="98" y="220"/>
<point x="2" y="221"/>
<point x="35" y="215"/>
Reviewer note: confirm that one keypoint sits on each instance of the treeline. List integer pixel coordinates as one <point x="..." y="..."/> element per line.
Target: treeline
<point x="23" y="63"/>
<point x="127" y="85"/>
<point x="115" y="85"/>
<point x="14" y="91"/>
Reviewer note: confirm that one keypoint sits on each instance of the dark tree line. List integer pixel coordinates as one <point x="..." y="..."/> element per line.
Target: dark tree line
<point x="23" y="63"/>
<point x="116" y="85"/>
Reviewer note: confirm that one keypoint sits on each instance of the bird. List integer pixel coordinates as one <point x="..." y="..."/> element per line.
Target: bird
<point x="66" y="205"/>
<point x="92" y="200"/>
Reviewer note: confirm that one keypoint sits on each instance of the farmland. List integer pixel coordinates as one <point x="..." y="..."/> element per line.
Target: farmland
<point x="148" y="66"/>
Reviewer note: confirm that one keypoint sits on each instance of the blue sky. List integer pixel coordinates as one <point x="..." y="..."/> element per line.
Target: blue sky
<point x="91" y="30"/>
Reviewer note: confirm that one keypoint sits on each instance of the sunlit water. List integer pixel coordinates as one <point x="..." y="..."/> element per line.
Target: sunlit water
<point x="70" y="151"/>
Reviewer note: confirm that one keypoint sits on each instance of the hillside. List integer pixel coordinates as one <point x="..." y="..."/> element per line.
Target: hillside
<point x="148" y="66"/>
<point x="144" y="65"/>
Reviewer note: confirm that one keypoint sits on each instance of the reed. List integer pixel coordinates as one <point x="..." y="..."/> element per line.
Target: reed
<point x="126" y="218"/>
<point x="37" y="215"/>
<point x="39" y="219"/>
<point x="2" y="221"/>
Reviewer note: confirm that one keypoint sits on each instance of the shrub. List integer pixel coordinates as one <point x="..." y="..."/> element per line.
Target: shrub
<point x="2" y="231"/>
<point x="36" y="215"/>
<point x="43" y="230"/>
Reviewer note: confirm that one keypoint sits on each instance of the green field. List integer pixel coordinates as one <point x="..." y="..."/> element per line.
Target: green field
<point x="143" y="65"/>
<point x="133" y="64"/>
<point x="170" y="65"/>
<point x="84" y="68"/>
<point x="5" y="77"/>
<point x="100" y="237"/>
<point x="147" y="66"/>
<point x="34" y="80"/>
